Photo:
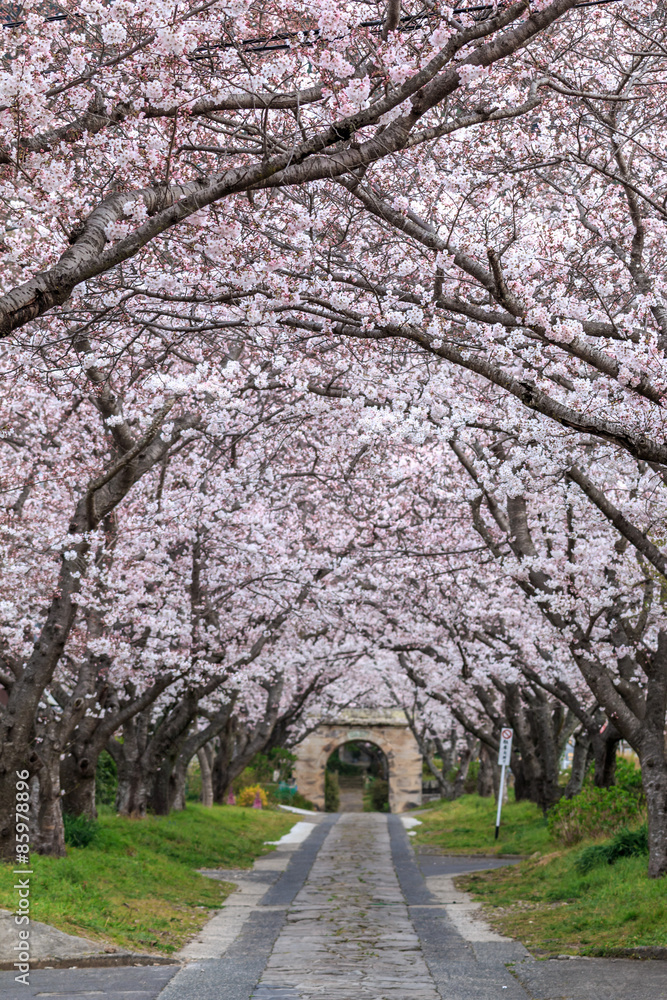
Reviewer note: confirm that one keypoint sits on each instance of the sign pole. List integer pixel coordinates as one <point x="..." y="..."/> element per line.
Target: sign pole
<point x="504" y="757"/>
<point x="500" y="798"/>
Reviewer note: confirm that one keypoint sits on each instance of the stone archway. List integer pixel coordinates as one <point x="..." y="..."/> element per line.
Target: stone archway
<point x="386" y="728"/>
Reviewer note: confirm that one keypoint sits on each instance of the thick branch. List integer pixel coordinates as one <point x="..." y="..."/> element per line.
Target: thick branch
<point x="630" y="531"/>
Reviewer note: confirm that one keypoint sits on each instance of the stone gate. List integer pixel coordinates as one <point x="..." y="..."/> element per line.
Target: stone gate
<point x="388" y="729"/>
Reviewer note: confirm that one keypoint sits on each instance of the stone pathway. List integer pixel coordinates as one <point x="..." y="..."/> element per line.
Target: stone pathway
<point x="348" y="933"/>
<point x="351" y="794"/>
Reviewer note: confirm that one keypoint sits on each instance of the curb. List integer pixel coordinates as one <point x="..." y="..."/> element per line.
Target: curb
<point x="113" y="960"/>
<point x="648" y="951"/>
<point x="641" y="952"/>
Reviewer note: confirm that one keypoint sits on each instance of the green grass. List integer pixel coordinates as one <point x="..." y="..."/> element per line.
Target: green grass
<point x="467" y="826"/>
<point x="555" y="910"/>
<point x="545" y="901"/>
<point x="136" y="885"/>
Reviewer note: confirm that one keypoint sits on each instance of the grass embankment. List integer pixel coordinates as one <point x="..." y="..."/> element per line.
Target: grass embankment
<point x="555" y="910"/>
<point x="467" y="826"/>
<point x="136" y="884"/>
<point x="545" y="901"/>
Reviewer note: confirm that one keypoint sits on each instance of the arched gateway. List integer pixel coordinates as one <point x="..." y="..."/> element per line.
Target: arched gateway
<point x="386" y="728"/>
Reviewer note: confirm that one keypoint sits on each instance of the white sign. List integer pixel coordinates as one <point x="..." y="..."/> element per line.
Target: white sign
<point x="505" y="751"/>
<point x="504" y="757"/>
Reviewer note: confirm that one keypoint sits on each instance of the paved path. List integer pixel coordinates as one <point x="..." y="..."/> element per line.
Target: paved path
<point x="348" y="933"/>
<point x="351" y="794"/>
<point x="350" y="915"/>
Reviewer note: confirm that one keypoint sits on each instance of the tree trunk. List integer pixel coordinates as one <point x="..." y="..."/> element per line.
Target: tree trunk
<point x="521" y="785"/>
<point x="132" y="794"/>
<point x="167" y="790"/>
<point x="541" y="729"/>
<point x="220" y="772"/>
<point x="604" y="753"/>
<point x="653" y="761"/>
<point x="205" y="755"/>
<point x="80" y="799"/>
<point x="179" y="778"/>
<point x="580" y="758"/>
<point x="224" y="778"/>
<point x="485" y="777"/>
<point x="547" y="722"/>
<point x="161" y="791"/>
<point x="465" y="761"/>
<point x="49" y="833"/>
<point x="655" y="789"/>
<point x="77" y="777"/>
<point x="445" y="787"/>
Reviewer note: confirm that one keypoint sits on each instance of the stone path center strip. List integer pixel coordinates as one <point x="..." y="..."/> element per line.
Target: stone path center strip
<point x="348" y="933"/>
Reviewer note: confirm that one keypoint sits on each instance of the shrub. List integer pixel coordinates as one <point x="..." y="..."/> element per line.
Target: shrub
<point x="278" y="759"/>
<point x="331" y="792"/>
<point x="288" y="796"/>
<point x="80" y="831"/>
<point x="626" y="844"/>
<point x="106" y="780"/>
<point x="377" y="795"/>
<point x="301" y="802"/>
<point x="193" y="782"/>
<point x="629" y="777"/>
<point x="597" y="812"/>
<point x="470" y="783"/>
<point x="248" y="776"/>
<point x="247" y="795"/>
<point x="260" y="769"/>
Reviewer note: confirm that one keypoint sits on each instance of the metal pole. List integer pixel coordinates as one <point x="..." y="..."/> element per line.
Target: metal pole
<point x="500" y="798"/>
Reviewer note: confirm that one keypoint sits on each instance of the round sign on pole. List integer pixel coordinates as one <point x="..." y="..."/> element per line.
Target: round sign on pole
<point x="507" y="734"/>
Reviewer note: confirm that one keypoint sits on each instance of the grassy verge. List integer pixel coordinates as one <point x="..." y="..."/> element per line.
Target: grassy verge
<point x="467" y="826"/>
<point x="136" y="884"/>
<point x="545" y="901"/>
<point x="554" y="910"/>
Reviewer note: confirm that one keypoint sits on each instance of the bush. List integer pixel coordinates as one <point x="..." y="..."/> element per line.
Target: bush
<point x="629" y="777"/>
<point x="80" y="831"/>
<point x="193" y="782"/>
<point x="260" y="769"/>
<point x="470" y="784"/>
<point x="378" y="795"/>
<point x="278" y="759"/>
<point x="300" y="801"/>
<point x="247" y="796"/>
<point x="599" y="812"/>
<point x="626" y="844"/>
<point x="248" y="776"/>
<point x="331" y="792"/>
<point x="288" y="796"/>
<point x="106" y="780"/>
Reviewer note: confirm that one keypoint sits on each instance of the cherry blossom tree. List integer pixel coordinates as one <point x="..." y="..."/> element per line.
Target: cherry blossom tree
<point x="335" y="340"/>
